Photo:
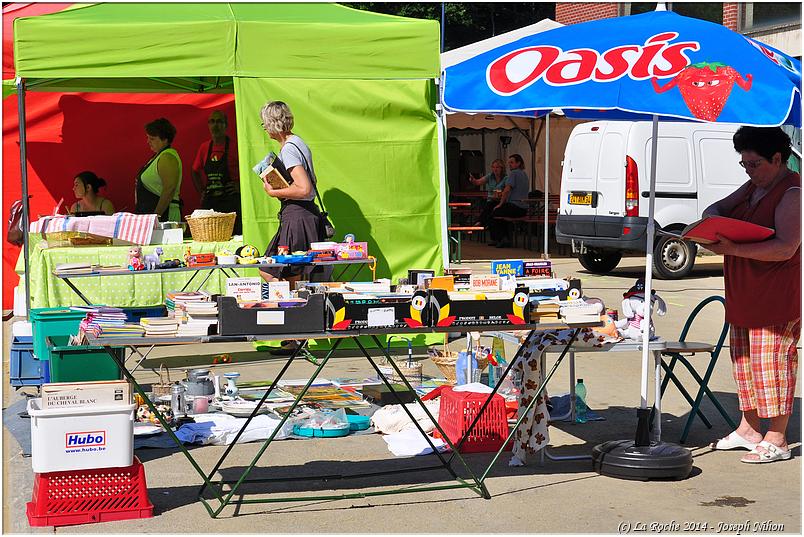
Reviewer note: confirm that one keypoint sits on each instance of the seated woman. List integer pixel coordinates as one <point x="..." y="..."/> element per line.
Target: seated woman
<point x="85" y="187"/>
<point x="159" y="180"/>
<point x="512" y="202"/>
<point x="493" y="182"/>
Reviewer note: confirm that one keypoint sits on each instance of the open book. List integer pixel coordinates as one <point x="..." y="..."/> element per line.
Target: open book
<point x="704" y="230"/>
<point x="276" y="174"/>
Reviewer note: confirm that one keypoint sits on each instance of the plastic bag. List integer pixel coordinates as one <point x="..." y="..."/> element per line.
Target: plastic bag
<point x="327" y="419"/>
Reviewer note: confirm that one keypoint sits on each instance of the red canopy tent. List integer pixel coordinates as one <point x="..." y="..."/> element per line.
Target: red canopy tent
<point x="103" y="132"/>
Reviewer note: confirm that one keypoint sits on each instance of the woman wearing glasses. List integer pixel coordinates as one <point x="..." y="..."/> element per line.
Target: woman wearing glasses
<point x="763" y="293"/>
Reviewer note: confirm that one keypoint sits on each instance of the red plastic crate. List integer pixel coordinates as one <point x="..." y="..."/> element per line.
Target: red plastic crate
<point x="457" y="411"/>
<point x="88" y="496"/>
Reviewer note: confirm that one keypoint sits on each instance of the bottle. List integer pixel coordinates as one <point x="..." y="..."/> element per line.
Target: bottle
<point x="580" y="402"/>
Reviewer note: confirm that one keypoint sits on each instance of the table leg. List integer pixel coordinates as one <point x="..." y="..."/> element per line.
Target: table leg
<point x="446" y="464"/>
<point x="188" y="282"/>
<point x="532" y="403"/>
<point x="120" y="363"/>
<point x="657" y="418"/>
<point x="76" y="291"/>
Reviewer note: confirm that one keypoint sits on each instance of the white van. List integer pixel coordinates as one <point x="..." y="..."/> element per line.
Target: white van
<point x="605" y="181"/>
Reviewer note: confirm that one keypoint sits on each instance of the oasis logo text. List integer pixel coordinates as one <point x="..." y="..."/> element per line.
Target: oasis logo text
<point x="658" y="57"/>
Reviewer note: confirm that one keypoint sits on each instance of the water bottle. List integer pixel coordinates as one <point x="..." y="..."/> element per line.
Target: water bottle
<point x="580" y="402"/>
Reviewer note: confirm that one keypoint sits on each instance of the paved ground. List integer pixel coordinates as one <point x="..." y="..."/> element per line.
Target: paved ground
<point x="557" y="497"/>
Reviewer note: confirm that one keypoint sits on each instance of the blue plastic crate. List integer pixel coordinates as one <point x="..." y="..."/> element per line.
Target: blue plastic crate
<point x="133" y="315"/>
<point x="24" y="368"/>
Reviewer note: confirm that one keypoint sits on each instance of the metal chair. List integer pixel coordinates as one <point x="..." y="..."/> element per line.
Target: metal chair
<point x="674" y="351"/>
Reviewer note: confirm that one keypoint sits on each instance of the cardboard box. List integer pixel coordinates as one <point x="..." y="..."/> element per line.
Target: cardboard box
<point x="508" y="311"/>
<point x="85" y="394"/>
<point x="380" y="395"/>
<point x="167" y="236"/>
<point x="377" y="312"/>
<point x="234" y="320"/>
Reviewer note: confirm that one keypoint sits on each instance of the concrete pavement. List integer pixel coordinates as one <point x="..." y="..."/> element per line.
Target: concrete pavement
<point x="557" y="497"/>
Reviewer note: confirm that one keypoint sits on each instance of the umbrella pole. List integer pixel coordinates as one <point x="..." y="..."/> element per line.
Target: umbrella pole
<point x="546" y="254"/>
<point x="26" y="209"/>
<point x="643" y="403"/>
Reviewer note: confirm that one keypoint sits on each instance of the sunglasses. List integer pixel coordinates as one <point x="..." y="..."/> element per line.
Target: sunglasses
<point x="751" y="164"/>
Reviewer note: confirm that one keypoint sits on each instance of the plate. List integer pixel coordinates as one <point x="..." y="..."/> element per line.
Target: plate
<point x="240" y="409"/>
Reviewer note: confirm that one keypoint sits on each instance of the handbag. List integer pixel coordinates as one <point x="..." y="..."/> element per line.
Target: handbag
<point x="323" y="215"/>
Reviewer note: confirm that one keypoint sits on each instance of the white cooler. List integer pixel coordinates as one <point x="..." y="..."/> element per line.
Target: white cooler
<point x="81" y="438"/>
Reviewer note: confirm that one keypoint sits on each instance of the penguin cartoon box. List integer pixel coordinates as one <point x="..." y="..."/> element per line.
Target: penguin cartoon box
<point x="451" y="309"/>
<point x="356" y="311"/>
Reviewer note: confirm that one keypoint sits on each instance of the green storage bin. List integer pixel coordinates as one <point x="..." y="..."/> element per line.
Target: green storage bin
<point x="49" y="322"/>
<point x="79" y="363"/>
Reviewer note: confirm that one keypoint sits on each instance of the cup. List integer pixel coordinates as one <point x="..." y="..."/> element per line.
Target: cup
<point x="200" y="405"/>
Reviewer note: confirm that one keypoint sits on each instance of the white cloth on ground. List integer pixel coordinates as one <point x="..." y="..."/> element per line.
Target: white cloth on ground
<point x="221" y="429"/>
<point x="393" y="418"/>
<point x="412" y="442"/>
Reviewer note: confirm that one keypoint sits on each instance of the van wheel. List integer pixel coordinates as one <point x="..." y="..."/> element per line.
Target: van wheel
<point x="599" y="261"/>
<point x="673" y="258"/>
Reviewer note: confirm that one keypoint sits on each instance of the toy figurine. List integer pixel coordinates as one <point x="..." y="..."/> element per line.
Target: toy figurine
<point x="134" y="258"/>
<point x="152" y="260"/>
<point x="170" y="263"/>
<point x="633" y="324"/>
<point x="187" y="254"/>
<point x="349" y="238"/>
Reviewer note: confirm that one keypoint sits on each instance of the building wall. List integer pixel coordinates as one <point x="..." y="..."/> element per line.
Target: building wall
<point x="730" y="15"/>
<point x="572" y="13"/>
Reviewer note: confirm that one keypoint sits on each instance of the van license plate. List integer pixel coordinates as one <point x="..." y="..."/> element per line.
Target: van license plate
<point x="580" y="198"/>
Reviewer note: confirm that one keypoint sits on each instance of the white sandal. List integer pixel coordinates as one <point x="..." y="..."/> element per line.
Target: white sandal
<point x="771" y="453"/>
<point x="733" y="441"/>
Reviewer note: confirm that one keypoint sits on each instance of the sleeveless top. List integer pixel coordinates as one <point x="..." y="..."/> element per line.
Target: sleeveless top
<point x="153" y="183"/>
<point x="763" y="293"/>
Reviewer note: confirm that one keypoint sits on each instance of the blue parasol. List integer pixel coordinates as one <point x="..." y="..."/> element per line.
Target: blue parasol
<point x="657" y="65"/>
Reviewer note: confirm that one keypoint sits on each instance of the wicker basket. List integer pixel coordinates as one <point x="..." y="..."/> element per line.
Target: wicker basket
<point x="214" y="228"/>
<point x="412" y="374"/>
<point x="162" y="387"/>
<point x="445" y="360"/>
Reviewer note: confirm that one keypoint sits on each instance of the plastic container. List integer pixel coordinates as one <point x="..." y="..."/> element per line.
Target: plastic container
<point x="457" y="411"/>
<point x="293" y="259"/>
<point x="88" y="496"/>
<point x="79" y="363"/>
<point x="24" y="368"/>
<point x="52" y="322"/>
<point x="63" y="439"/>
<point x="581" y="409"/>
<point x="319" y="432"/>
<point x="357" y="422"/>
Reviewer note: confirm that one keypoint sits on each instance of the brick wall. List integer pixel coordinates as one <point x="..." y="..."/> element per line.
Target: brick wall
<point x="730" y="15"/>
<point x="572" y="13"/>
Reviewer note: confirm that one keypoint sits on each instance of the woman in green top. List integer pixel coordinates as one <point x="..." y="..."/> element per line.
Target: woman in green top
<point x="159" y="180"/>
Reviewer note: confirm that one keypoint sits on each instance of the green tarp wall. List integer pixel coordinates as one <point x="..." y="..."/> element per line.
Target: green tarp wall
<point x="361" y="86"/>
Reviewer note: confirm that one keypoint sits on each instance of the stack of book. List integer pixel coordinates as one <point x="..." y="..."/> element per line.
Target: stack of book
<point x="176" y="302"/>
<point x="578" y="311"/>
<point x="109" y="323"/>
<point x="544" y="311"/>
<point x="200" y="316"/>
<point x="159" y="326"/>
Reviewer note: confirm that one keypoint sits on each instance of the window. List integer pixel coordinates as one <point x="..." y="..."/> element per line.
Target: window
<point x="709" y="11"/>
<point x="758" y="15"/>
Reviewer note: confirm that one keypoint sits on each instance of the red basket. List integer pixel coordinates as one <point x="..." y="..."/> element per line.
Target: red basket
<point x="87" y="496"/>
<point x="457" y="411"/>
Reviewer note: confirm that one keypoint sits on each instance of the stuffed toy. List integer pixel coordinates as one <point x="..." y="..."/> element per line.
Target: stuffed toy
<point x="632" y="325"/>
<point x="608" y="328"/>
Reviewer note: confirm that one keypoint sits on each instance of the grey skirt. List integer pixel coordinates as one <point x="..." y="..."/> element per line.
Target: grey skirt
<point x="299" y="226"/>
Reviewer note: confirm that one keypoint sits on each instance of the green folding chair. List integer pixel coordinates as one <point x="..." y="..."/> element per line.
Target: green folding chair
<point x="674" y="352"/>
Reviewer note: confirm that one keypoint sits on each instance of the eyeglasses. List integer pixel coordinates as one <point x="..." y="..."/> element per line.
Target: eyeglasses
<point x="751" y="164"/>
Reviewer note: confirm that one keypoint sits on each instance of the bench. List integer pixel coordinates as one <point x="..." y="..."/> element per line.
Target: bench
<point x="456" y="239"/>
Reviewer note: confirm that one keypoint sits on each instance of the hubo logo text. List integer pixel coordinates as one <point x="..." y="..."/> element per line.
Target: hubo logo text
<point x="658" y="57"/>
<point x="85" y="441"/>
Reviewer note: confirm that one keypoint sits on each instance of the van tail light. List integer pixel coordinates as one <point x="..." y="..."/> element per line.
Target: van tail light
<point x="631" y="187"/>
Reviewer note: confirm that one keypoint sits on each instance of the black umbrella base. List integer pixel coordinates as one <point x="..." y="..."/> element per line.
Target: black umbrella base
<point x="658" y="460"/>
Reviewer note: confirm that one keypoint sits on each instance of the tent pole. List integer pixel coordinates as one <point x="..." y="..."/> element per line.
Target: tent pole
<point x="546" y="254"/>
<point x="441" y="131"/>
<point x="26" y="209"/>
<point x="648" y="270"/>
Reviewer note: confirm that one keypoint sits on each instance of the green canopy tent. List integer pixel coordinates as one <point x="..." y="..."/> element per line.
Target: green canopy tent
<point x="362" y="87"/>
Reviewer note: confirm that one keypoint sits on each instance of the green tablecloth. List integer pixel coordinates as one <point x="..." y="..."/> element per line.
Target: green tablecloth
<point x="138" y="289"/>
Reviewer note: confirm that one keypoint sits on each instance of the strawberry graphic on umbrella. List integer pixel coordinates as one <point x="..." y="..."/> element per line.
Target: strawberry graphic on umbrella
<point x="705" y="87"/>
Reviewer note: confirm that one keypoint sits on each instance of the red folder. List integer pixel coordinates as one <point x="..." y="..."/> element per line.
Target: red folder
<point x="704" y="231"/>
